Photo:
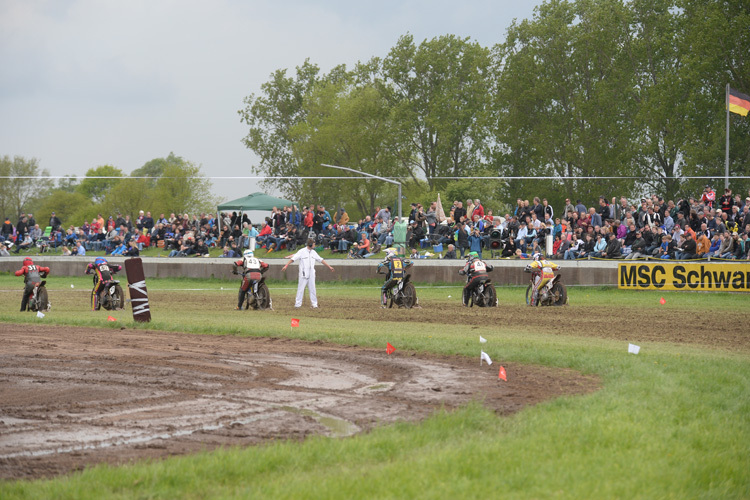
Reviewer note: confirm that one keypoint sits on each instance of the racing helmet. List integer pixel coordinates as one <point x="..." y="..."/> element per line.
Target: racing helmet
<point x="537" y="256"/>
<point x="248" y="254"/>
<point x="27" y="261"/>
<point x="100" y="260"/>
<point x="390" y="252"/>
<point x="473" y="255"/>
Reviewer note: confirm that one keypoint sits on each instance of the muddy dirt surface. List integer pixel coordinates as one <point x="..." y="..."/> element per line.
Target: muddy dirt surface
<point x="73" y="397"/>
<point x="625" y="322"/>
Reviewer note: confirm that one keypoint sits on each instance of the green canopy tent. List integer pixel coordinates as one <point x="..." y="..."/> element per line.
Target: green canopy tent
<point x="255" y="201"/>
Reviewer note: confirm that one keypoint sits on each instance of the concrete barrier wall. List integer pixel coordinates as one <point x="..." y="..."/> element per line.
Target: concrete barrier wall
<point x="507" y="272"/>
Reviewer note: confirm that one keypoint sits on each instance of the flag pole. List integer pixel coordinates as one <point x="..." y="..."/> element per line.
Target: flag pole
<point x="726" y="154"/>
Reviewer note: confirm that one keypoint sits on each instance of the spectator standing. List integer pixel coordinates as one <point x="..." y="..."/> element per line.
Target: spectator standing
<point x="55" y="222"/>
<point x="708" y="198"/>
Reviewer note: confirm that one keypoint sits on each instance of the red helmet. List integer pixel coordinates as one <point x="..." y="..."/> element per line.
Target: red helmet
<point x="27" y="261"/>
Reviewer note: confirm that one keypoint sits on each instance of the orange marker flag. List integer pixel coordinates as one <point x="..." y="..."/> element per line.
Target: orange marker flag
<point x="502" y="374"/>
<point x="389" y="348"/>
<point x="295" y="322"/>
<point x="662" y="301"/>
<point x="110" y="318"/>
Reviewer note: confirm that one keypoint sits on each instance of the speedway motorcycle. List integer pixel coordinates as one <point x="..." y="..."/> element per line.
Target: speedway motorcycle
<point x="552" y="293"/>
<point x="38" y="299"/>
<point x="403" y="295"/>
<point x="111" y="296"/>
<point x="257" y="297"/>
<point x="483" y="295"/>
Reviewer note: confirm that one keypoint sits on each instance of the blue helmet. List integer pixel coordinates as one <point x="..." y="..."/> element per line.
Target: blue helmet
<point x="100" y="260"/>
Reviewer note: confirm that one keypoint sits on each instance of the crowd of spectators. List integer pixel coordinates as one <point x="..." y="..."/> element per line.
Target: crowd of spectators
<point x="692" y="228"/>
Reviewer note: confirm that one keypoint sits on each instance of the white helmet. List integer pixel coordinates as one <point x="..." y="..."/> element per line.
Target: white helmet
<point x="390" y="252"/>
<point x="248" y="254"/>
<point x="537" y="256"/>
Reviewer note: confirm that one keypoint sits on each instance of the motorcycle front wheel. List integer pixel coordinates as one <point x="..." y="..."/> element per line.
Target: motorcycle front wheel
<point x="529" y="292"/>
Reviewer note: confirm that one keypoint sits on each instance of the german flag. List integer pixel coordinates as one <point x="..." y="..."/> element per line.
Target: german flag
<point x="738" y="102"/>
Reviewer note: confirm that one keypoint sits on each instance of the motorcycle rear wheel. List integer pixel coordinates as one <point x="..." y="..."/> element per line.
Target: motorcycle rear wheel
<point x="490" y="296"/>
<point x="104" y="300"/>
<point x="42" y="301"/>
<point x="263" y="297"/>
<point x="559" y="294"/>
<point x="408" y="296"/>
<point x="117" y="299"/>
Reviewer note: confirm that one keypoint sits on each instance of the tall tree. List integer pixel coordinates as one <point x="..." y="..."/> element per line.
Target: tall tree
<point x="155" y="168"/>
<point x="97" y="189"/>
<point x="347" y="125"/>
<point x="438" y="91"/>
<point x="563" y="98"/>
<point x="270" y="116"/>
<point x="660" y="90"/>
<point x="21" y="183"/>
<point x="715" y="44"/>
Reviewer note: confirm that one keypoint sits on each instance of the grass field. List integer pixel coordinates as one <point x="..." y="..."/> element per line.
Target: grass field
<point x="671" y="422"/>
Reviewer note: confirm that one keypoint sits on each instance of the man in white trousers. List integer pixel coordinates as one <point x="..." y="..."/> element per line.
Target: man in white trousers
<point x="307" y="257"/>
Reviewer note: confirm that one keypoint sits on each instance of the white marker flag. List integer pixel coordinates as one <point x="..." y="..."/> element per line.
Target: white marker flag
<point x="633" y="349"/>
<point x="39" y="314"/>
<point x="484" y="357"/>
<point x="482" y="340"/>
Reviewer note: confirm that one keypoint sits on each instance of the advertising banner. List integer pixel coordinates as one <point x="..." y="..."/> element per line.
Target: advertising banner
<point x="699" y="276"/>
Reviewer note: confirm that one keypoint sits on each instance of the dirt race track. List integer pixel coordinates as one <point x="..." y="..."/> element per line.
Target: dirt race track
<point x="73" y="397"/>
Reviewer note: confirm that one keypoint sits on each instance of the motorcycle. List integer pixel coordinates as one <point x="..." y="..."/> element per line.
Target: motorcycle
<point x="111" y="296"/>
<point x="403" y="295"/>
<point x="553" y="293"/>
<point x="257" y="296"/>
<point x="38" y="299"/>
<point x="484" y="295"/>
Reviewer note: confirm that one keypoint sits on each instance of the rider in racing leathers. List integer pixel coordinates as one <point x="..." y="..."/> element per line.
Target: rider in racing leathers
<point x="476" y="272"/>
<point x="103" y="272"/>
<point x="33" y="274"/>
<point x="247" y="264"/>
<point x="395" y="268"/>
<point x="542" y="271"/>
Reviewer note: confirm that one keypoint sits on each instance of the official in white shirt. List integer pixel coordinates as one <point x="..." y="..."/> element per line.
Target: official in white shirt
<point x="306" y="258"/>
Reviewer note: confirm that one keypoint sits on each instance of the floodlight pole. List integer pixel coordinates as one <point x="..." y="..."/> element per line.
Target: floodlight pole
<point x="374" y="177"/>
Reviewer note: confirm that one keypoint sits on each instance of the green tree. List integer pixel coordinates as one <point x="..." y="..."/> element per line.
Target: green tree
<point x="183" y="188"/>
<point x="715" y="44"/>
<point x="346" y="125"/>
<point x="22" y="183"/>
<point x="155" y="168"/>
<point x="563" y="104"/>
<point x="438" y="92"/>
<point x="659" y="90"/>
<point x="97" y="189"/>
<point x="72" y="208"/>
<point x="270" y="116"/>
<point x="180" y="187"/>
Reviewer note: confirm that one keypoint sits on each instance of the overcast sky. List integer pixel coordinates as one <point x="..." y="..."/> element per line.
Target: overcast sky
<point x="93" y="82"/>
